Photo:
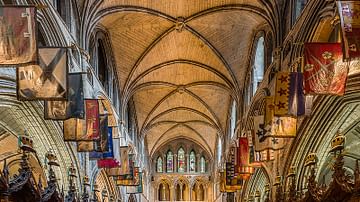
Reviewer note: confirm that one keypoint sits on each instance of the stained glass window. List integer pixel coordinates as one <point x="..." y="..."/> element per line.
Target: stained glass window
<point x="159" y="165"/>
<point x="299" y="6"/>
<point x="181" y="160"/>
<point x="202" y="165"/>
<point x="192" y="161"/>
<point x="258" y="69"/>
<point x="169" y="162"/>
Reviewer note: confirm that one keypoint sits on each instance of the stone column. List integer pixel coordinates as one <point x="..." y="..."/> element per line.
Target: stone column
<point x="164" y="163"/>
<point x="181" y="192"/>
<point x="175" y="164"/>
<point x="197" y="163"/>
<point x="187" y="163"/>
<point x="172" y="193"/>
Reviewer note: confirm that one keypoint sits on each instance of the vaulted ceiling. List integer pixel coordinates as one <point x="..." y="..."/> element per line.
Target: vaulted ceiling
<point x="182" y="62"/>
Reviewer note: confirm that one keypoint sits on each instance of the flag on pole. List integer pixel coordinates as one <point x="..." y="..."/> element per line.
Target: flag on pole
<point x="324" y="71"/>
<point x="289" y="95"/>
<point x="18" y="35"/>
<point x="350" y="24"/>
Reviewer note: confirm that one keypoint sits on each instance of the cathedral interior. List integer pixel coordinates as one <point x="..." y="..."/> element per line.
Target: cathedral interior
<point x="179" y="100"/>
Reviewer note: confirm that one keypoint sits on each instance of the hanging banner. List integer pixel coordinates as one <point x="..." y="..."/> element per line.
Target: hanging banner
<point x="324" y="71"/>
<point x="74" y="129"/>
<point x="124" y="160"/>
<point x="95" y="155"/>
<point x="232" y="158"/>
<point x="18" y="35"/>
<point x="113" y="171"/>
<point x="289" y="95"/>
<point x="103" y="143"/>
<point x="350" y="24"/>
<point x="283" y="127"/>
<point x="262" y="141"/>
<point x="92" y="119"/>
<point x="269" y="110"/>
<point x="135" y="181"/>
<point x="109" y="153"/>
<point x="136" y="189"/>
<point x="85" y="146"/>
<point x="105" y="108"/>
<point x="46" y="81"/>
<point x="74" y="107"/>
<point x="243" y="152"/>
<point x="124" y="181"/>
<point x="232" y="182"/>
<point x="259" y="129"/>
<point x="107" y="163"/>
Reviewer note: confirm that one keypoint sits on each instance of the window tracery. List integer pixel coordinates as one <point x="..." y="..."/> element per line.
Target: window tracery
<point x="169" y="162"/>
<point x="202" y="165"/>
<point x="159" y="165"/>
<point x="192" y="161"/>
<point x="181" y="160"/>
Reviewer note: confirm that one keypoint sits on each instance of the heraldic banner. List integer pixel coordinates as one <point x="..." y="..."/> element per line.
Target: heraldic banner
<point x="349" y="12"/>
<point x="74" y="107"/>
<point x="46" y="81"/>
<point x="18" y="35"/>
<point x="324" y="71"/>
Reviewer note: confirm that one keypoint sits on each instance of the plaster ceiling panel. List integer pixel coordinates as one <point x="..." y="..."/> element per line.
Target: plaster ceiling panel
<point x="209" y="133"/>
<point x="231" y="33"/>
<point x="157" y="140"/>
<point x="177" y="8"/>
<point x="180" y="99"/>
<point x="182" y="116"/>
<point x="181" y="74"/>
<point x="219" y="106"/>
<point x="147" y="98"/>
<point x="156" y="132"/>
<point x="180" y="46"/>
<point x="131" y="33"/>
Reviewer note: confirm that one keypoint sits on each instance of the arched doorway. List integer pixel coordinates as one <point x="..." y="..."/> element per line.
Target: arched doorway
<point x="164" y="192"/>
<point x="198" y="192"/>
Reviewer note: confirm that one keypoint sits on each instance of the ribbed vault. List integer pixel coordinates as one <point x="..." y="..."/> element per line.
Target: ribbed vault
<point x="181" y="62"/>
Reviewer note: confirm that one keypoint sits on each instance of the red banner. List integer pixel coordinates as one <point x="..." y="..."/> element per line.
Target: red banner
<point x="92" y="119"/>
<point x="243" y="155"/>
<point x="324" y="71"/>
<point x="107" y="163"/>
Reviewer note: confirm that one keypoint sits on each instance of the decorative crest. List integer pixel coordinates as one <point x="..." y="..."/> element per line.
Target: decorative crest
<point x="311" y="159"/>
